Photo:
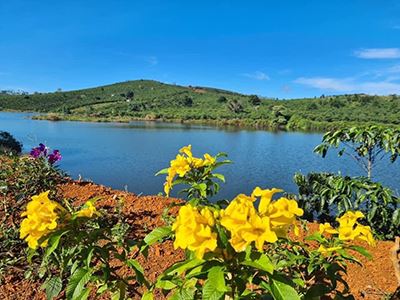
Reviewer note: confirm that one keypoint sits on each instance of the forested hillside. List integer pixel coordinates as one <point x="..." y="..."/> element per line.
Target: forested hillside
<point x="151" y="100"/>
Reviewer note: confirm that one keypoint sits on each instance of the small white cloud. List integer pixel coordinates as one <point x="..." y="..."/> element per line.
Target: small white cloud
<point x="258" y="75"/>
<point x="378" y="53"/>
<point x="332" y="84"/>
<point x="348" y="85"/>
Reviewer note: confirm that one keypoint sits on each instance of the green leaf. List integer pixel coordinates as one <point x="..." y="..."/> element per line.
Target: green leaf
<point x="84" y="295"/>
<point x="361" y="250"/>
<point x="77" y="282"/>
<point x="120" y="293"/>
<point x="53" y="287"/>
<point x="259" y="261"/>
<point x="222" y="235"/>
<point x="157" y="234"/>
<point x="163" y="171"/>
<point x="183" y="294"/>
<point x="181" y="267"/>
<point x="219" y="176"/>
<point x="134" y="264"/>
<point x="165" y="285"/>
<point x="148" y="295"/>
<point x="210" y="292"/>
<point x="216" y="276"/>
<point x="281" y="290"/>
<point x="54" y="240"/>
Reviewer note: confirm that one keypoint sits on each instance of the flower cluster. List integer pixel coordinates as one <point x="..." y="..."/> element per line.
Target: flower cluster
<point x="183" y="163"/>
<point x="349" y="230"/>
<point x="247" y="224"/>
<point x="41" y="218"/>
<point x="40" y="151"/>
<point x="193" y="230"/>
<point x="43" y="151"/>
<point x="44" y="216"/>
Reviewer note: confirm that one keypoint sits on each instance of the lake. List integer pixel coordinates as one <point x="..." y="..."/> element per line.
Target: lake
<point x="128" y="155"/>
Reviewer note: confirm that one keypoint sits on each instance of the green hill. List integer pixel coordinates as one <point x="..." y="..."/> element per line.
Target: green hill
<point x="146" y="99"/>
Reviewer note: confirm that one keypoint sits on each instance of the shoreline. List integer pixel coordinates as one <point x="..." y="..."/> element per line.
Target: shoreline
<point x="238" y="124"/>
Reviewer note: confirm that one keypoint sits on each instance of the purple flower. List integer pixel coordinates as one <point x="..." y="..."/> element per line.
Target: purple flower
<point x="43" y="151"/>
<point x="54" y="157"/>
<point x="40" y="151"/>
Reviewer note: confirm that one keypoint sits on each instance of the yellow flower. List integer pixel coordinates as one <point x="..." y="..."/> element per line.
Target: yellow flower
<point x="238" y="212"/>
<point x="346" y="233"/>
<point x="259" y="231"/>
<point x="209" y="160"/>
<point x="88" y="211"/>
<point x="193" y="230"/>
<point x="180" y="165"/>
<point x="245" y="225"/>
<point x="327" y="251"/>
<point x="266" y="198"/>
<point x="169" y="180"/>
<point x="196" y="162"/>
<point x="326" y="227"/>
<point x="350" y="218"/>
<point x="283" y="213"/>
<point x="41" y="218"/>
<point x="187" y="150"/>
<point x="364" y="233"/>
<point x="349" y="229"/>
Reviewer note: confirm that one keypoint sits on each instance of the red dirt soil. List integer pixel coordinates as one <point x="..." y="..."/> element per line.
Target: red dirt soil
<point x="374" y="280"/>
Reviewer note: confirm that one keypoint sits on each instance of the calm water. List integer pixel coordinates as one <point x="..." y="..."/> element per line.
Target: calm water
<point x="130" y="154"/>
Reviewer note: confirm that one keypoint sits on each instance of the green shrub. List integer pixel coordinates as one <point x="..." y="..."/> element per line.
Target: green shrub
<point x="9" y="144"/>
<point x="324" y="195"/>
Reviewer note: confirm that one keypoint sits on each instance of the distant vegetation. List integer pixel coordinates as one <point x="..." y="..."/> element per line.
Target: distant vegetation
<point x="9" y="144"/>
<point x="151" y="100"/>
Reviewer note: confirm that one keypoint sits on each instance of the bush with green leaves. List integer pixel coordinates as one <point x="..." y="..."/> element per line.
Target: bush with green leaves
<point x="323" y="195"/>
<point x="23" y="177"/>
<point x="241" y="249"/>
<point x="80" y="250"/>
<point x="8" y="144"/>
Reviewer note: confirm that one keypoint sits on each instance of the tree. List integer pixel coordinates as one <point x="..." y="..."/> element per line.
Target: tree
<point x="254" y="100"/>
<point x="9" y="144"/>
<point x="279" y="110"/>
<point x="187" y="101"/>
<point x="130" y="95"/>
<point x="366" y="145"/>
<point x="235" y="106"/>
<point x="222" y="99"/>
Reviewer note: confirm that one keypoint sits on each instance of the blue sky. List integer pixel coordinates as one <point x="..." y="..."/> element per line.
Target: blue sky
<point x="284" y="49"/>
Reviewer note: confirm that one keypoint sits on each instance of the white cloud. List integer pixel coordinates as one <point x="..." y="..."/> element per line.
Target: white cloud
<point x="258" y="75"/>
<point x="380" y="88"/>
<point x="348" y="85"/>
<point x="378" y="53"/>
<point x="326" y="83"/>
